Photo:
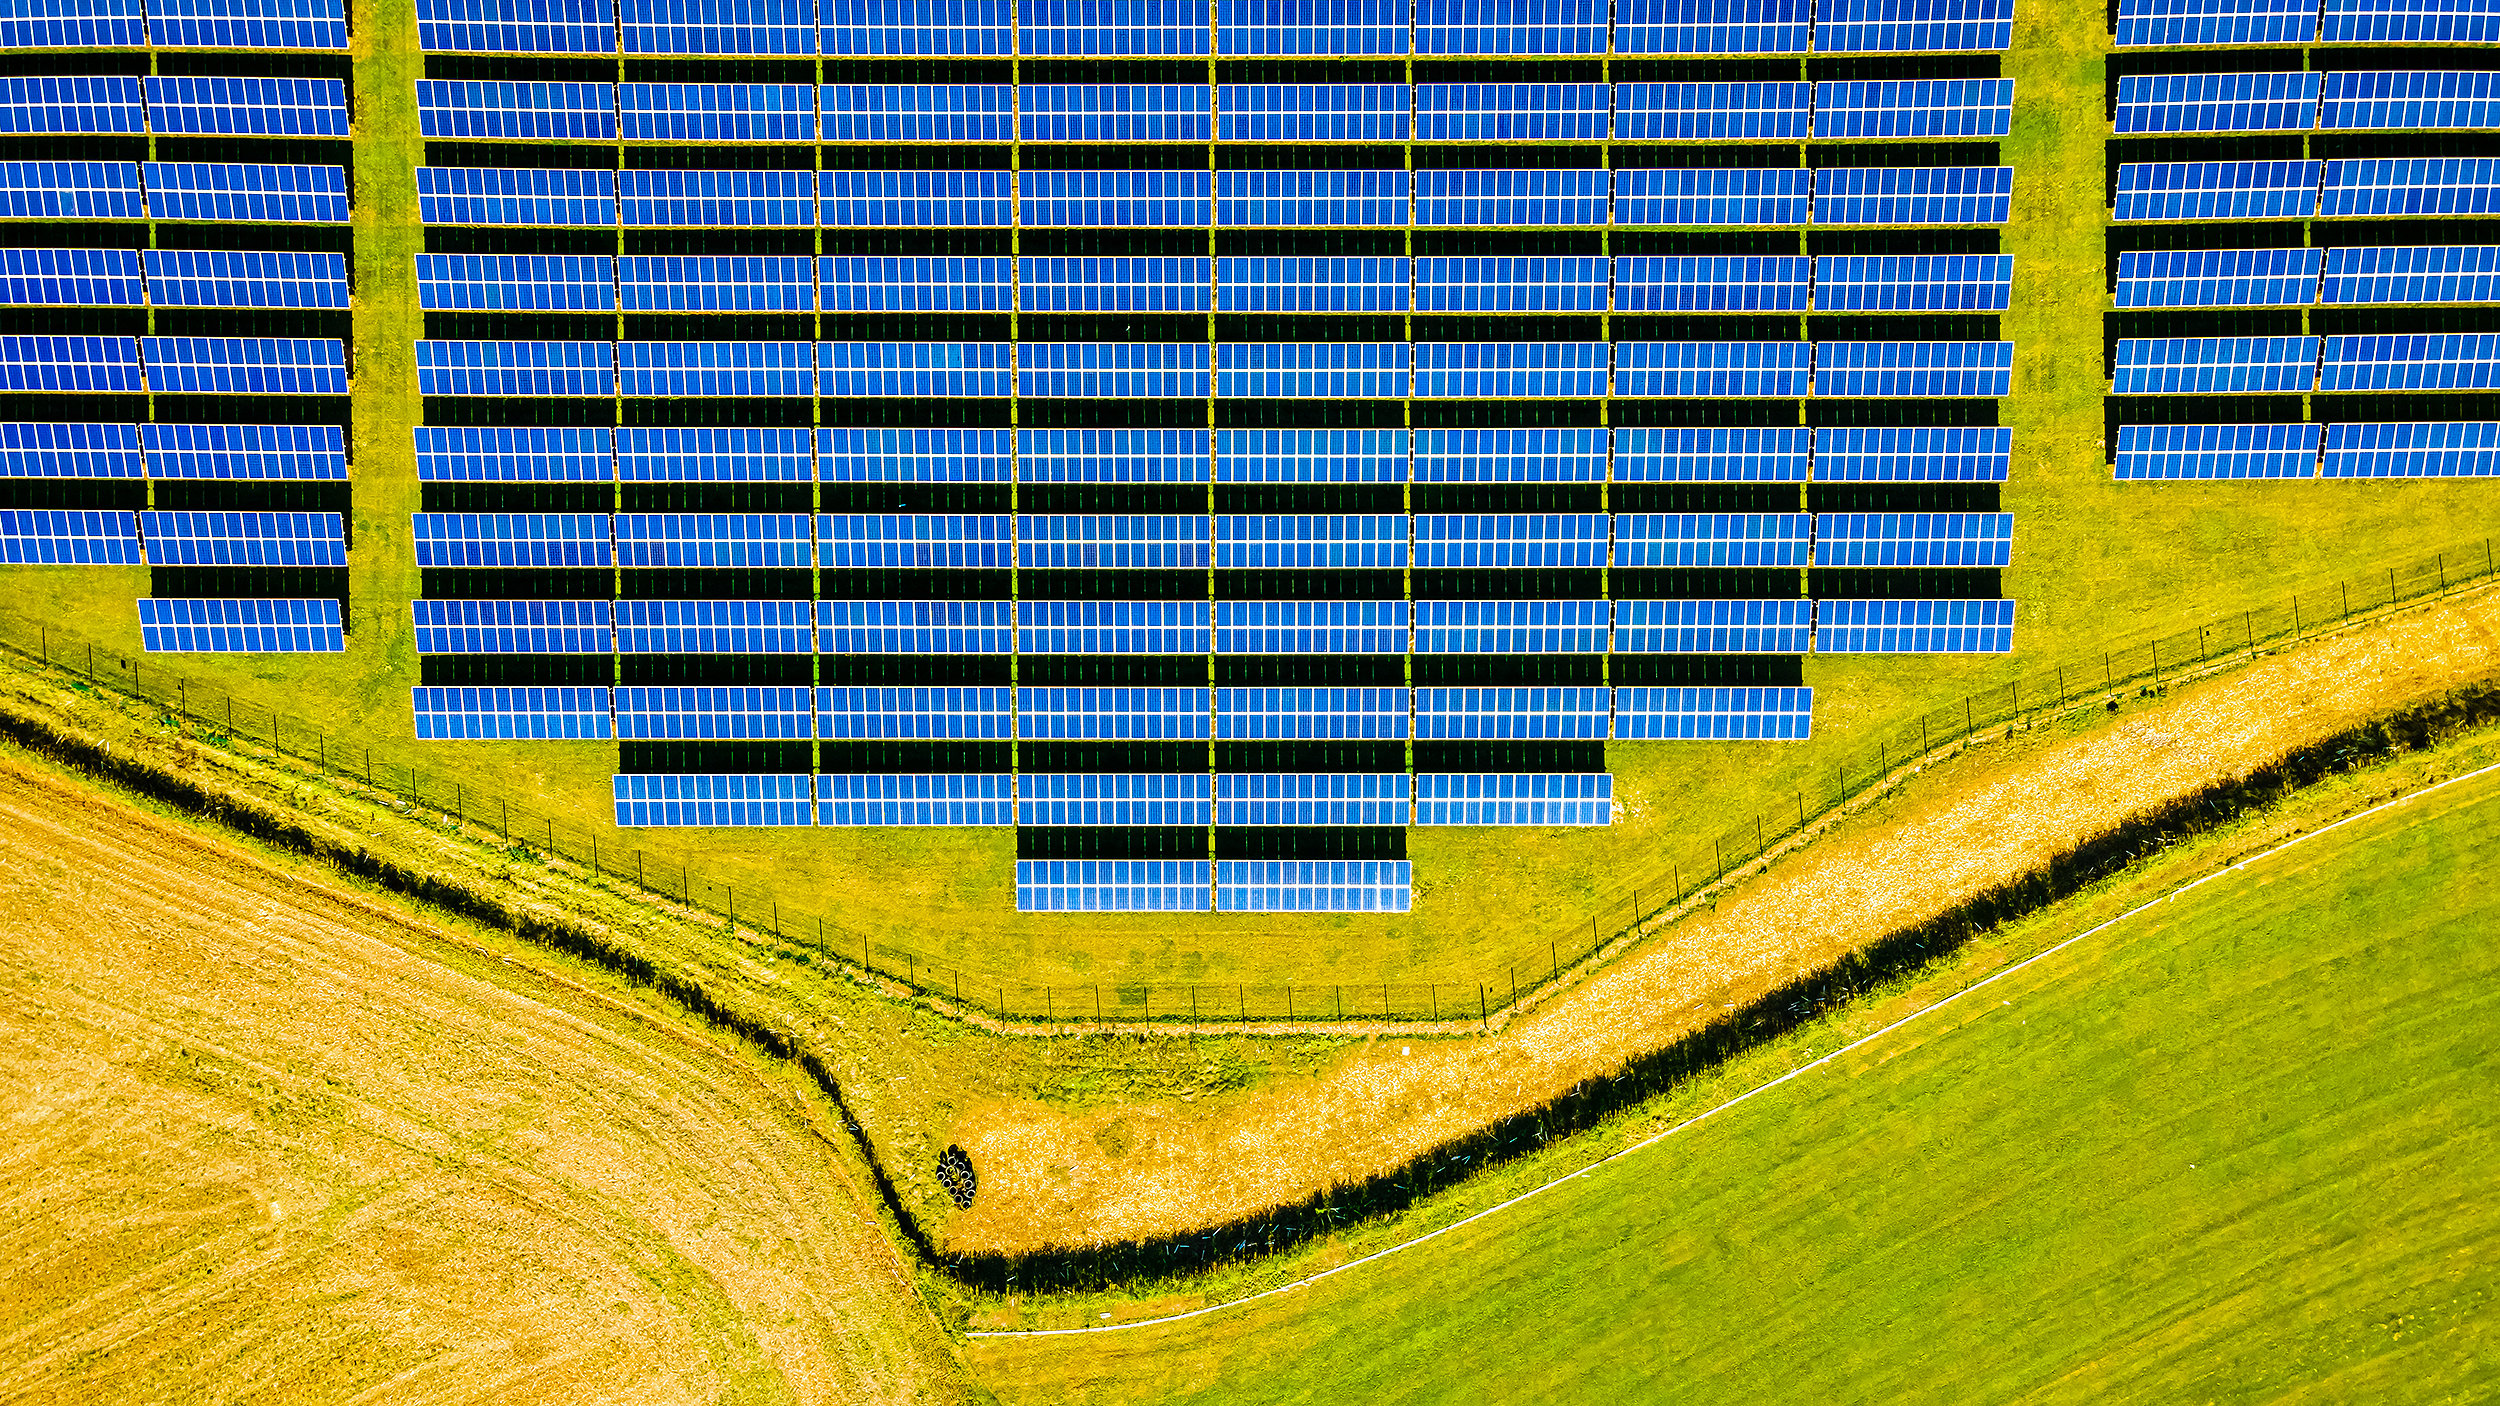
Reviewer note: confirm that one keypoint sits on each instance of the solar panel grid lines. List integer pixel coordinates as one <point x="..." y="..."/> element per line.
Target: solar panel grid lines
<point x="1712" y="626"/>
<point x="1766" y="454"/>
<point x="679" y="198"/>
<point x="1311" y="455"/>
<point x="1312" y="370"/>
<point x="918" y="369"/>
<point x="2227" y="451"/>
<point x="1913" y="195"/>
<point x="1510" y="540"/>
<point x="515" y="627"/>
<point x="2218" y="190"/>
<point x="717" y="27"/>
<point x="716" y="369"/>
<point x="1112" y="28"/>
<point x="249" y="625"/>
<point x="1516" y="454"/>
<point x="2413" y="449"/>
<point x="70" y="449"/>
<point x="1712" y="282"/>
<point x="1511" y="626"/>
<point x="750" y="713"/>
<point x="716" y="112"/>
<point x="465" y="714"/>
<point x="1913" y="453"/>
<point x="1106" y="542"/>
<point x="1128" y="455"/>
<point x="1121" y="370"/>
<point x="1266" y="28"/>
<point x="2448" y="361"/>
<point x="1298" y="198"/>
<point x="1513" y="112"/>
<point x="1112" y="627"/>
<point x="1913" y="282"/>
<point x="1719" y="112"/>
<point x="2409" y="22"/>
<point x="1314" y="885"/>
<point x="659" y="799"/>
<point x="1313" y="112"/>
<point x="2412" y="274"/>
<point x="515" y="454"/>
<point x="249" y="278"/>
<point x="1914" y="369"/>
<point x="247" y="24"/>
<point x="1727" y="370"/>
<point x="516" y="368"/>
<point x="1892" y="109"/>
<point x="98" y="104"/>
<point x="245" y="365"/>
<point x="1913" y="626"/>
<point x="646" y="626"/>
<point x="2215" y="366"/>
<point x="928" y="112"/>
<point x="1912" y="26"/>
<point x="300" y="453"/>
<point x="1317" y="284"/>
<point x="1713" y="539"/>
<point x="505" y="111"/>
<point x="916" y="626"/>
<point x="243" y="538"/>
<point x="1112" y="714"/>
<point x="496" y="27"/>
<point x="1510" y="27"/>
<point x="1114" y="885"/>
<point x="1713" y="26"/>
<point x="69" y="364"/>
<point x="1472" y="196"/>
<point x="71" y="190"/>
<point x="1354" y="799"/>
<point x="1115" y="112"/>
<point x="1514" y="798"/>
<point x="1061" y="799"/>
<point x="850" y="541"/>
<point x="1526" y="284"/>
<point x="713" y="454"/>
<point x="917" y="28"/>
<point x="68" y="537"/>
<point x="90" y="24"/>
<point x="713" y="540"/>
<point x="250" y="194"/>
<point x="2213" y="278"/>
<point x="1312" y="626"/>
<point x="2217" y="102"/>
<point x="253" y="107"/>
<point x="1510" y="370"/>
<point x="920" y="800"/>
<point x="2171" y="23"/>
<point x="508" y="195"/>
<point x="1120" y="199"/>
<point x="1512" y="714"/>
<point x="1311" y="714"/>
<point x="1657" y="714"/>
<point x="850" y="199"/>
<point x="516" y="282"/>
<point x="1913" y="539"/>
<point x="2418" y="100"/>
<point x="1170" y="283"/>
<point x="919" y="455"/>
<point x="512" y="539"/>
<point x="1745" y="195"/>
<point x="2446" y="185"/>
<point x="857" y="714"/>
<point x="72" y="278"/>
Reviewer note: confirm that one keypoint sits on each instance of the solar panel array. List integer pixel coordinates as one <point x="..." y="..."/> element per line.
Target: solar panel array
<point x="2270" y="22"/>
<point x="239" y="626"/>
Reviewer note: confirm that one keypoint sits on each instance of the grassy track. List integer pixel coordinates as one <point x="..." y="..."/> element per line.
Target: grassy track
<point x="2239" y="1148"/>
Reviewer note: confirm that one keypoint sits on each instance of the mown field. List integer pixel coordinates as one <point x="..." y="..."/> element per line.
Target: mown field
<point x="2238" y="1148"/>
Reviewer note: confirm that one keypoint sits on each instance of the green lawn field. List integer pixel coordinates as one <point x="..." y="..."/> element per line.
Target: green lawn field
<point x="2238" y="1148"/>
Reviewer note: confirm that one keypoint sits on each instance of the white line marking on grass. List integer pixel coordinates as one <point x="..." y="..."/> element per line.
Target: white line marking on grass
<point x="1763" y="1088"/>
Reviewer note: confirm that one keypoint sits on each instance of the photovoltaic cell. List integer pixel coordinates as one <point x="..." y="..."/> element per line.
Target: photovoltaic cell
<point x="1311" y="626"/>
<point x="70" y="190"/>
<point x="69" y="364"/>
<point x="511" y="714"/>
<point x="748" y="714"/>
<point x="512" y="539"/>
<point x="712" y="454"/>
<point x="1893" y="109"/>
<point x="1771" y="454"/>
<point x="1289" y="543"/>
<point x="916" y="626"/>
<point x="1046" y="798"/>
<point x="2215" y="366"/>
<point x="2218" y="190"/>
<point x="72" y="278"/>
<point x="959" y="543"/>
<point x="1284" y="284"/>
<point x="245" y="365"/>
<point x="515" y="112"/>
<point x="1713" y="369"/>
<point x="1913" y="539"/>
<point x="1713" y="112"/>
<point x="659" y="799"/>
<point x="2165" y="23"/>
<point x="1114" y="885"/>
<point x="515" y="627"/>
<point x="1913" y="626"/>
<point x="913" y="284"/>
<point x="1745" y="195"/>
<point x="1511" y="455"/>
<point x="915" y="714"/>
<point x="1310" y="456"/>
<point x="1511" y="626"/>
<point x="1915" y="369"/>
<point x="243" y="539"/>
<point x="507" y="195"/>
<point x="2218" y="278"/>
<point x="2427" y="273"/>
<point x="2443" y="185"/>
<point x="68" y="537"/>
<point x="1714" y="714"/>
<point x="298" y="453"/>
<point x="1913" y="195"/>
<point x="2430" y="99"/>
<point x="717" y="112"/>
<point x="713" y="540"/>
<point x="1913" y="282"/>
<point x="227" y="193"/>
<point x="1329" y="798"/>
<point x="1912" y="453"/>
<point x="1712" y="282"/>
<point x="1112" y="714"/>
<point x="498" y="27"/>
<point x="292" y="625"/>
<point x="515" y="454"/>
<point x="914" y="455"/>
<point x="2447" y="361"/>
<point x="75" y="449"/>
<point x="714" y="627"/>
<point x="2216" y="451"/>
<point x="1049" y="455"/>
<point x="1313" y="112"/>
<point x="1712" y="539"/>
<point x="217" y="278"/>
<point x="1514" y="798"/>
<point x="916" y="799"/>
<point x="1111" y="627"/>
<point x="1311" y="370"/>
<point x="1712" y="626"/>
<point x="1503" y="370"/>
<point x="1314" y="885"/>
<point x="2283" y="101"/>
<point x="247" y="107"/>
<point x="2453" y="449"/>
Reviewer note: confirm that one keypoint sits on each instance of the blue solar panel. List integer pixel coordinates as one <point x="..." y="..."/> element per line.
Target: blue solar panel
<point x="1913" y="282"/>
<point x="2216" y="22"/>
<point x="1055" y="198"/>
<point x="914" y="455"/>
<point x="715" y="27"/>
<point x="894" y="112"/>
<point x="1167" y="284"/>
<point x="1313" y="112"/>
<point x="1113" y="456"/>
<point x="1306" y="198"/>
<point x="75" y="449"/>
<point x="1114" y="885"/>
<point x="247" y="452"/>
<point x="1713" y="369"/>
<point x="2217" y="102"/>
<point x="1925" y="107"/>
<point x="67" y="537"/>
<point x="512" y="714"/>
<point x="1503" y="370"/>
<point x="1470" y="540"/>
<point x="1914" y="539"/>
<point x="1716" y="112"/>
<point x="707" y="540"/>
<point x="1115" y="112"/>
<point x="1510" y="626"/>
<point x="1314" y="885"/>
<point x="1510" y="26"/>
<point x="1712" y="626"/>
<point x="715" y="198"/>
<point x="1112" y="627"/>
<point x="1514" y="798"/>
<point x="294" y="625"/>
<point x="1549" y="284"/>
<point x="916" y="369"/>
<point x="1712" y="539"/>
<point x="497" y="27"/>
<point x="1329" y="798"/>
<point x="514" y="454"/>
<point x="1286" y="543"/>
<point x="214" y="278"/>
<point x="515" y="627"/>
<point x="1913" y="626"/>
<point x="904" y="284"/>
<point x="512" y="539"/>
<point x="671" y="799"/>
<point x="2451" y="449"/>
<point x="1246" y="284"/>
<point x="1912" y="453"/>
<point x="74" y="24"/>
<point x="713" y="714"/>
<point x="2428" y="273"/>
<point x="936" y="28"/>
<point x="1511" y="714"/>
<point x="713" y="454"/>
<point x="2216" y="451"/>
<point x="1087" y="543"/>
<point x="245" y="365"/>
<point x="248" y="107"/>
<point x="2411" y="22"/>
<point x="916" y="626"/>
<point x="563" y="112"/>
<point x="1310" y="456"/>
<point x="1765" y="455"/>
<point x="716" y="369"/>
<point x="1913" y="195"/>
<point x="1512" y="112"/>
<point x="1312" y="370"/>
<point x="714" y="627"/>
<point x="1549" y="455"/>
<point x="1712" y="282"/>
<point x="2419" y="100"/>
<point x="933" y="199"/>
<point x="247" y="24"/>
<point x="1114" y="28"/>
<point x="1530" y="196"/>
<point x="1917" y="369"/>
<point x="2449" y="361"/>
<point x="72" y="278"/>
<point x="1114" y="798"/>
<point x="717" y="112"/>
<point x="1112" y="714"/>
<point x="915" y="714"/>
<point x="1311" y="626"/>
<point x="69" y="364"/>
<point x="508" y="195"/>
<point x="2218" y="278"/>
<point x="2218" y="190"/>
<point x="916" y="799"/>
<point x="863" y="540"/>
<point x="99" y="104"/>
<point x="1912" y="26"/>
<point x="1714" y="714"/>
<point x="510" y="282"/>
<point x="1712" y="26"/>
<point x="2215" y="366"/>
<point x="2447" y="185"/>
<point x="1124" y="370"/>
<point x="243" y="539"/>
<point x="1332" y="28"/>
<point x="70" y="190"/>
<point x="192" y="190"/>
<point x="1744" y="195"/>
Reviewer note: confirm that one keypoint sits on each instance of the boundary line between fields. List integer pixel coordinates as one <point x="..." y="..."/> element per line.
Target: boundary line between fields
<point x="1762" y="1088"/>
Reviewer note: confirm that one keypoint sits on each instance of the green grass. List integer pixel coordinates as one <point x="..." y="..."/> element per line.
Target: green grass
<point x="2238" y="1148"/>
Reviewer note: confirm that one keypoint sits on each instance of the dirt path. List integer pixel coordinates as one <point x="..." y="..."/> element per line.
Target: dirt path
<point x="1050" y="1176"/>
<point x="270" y="1139"/>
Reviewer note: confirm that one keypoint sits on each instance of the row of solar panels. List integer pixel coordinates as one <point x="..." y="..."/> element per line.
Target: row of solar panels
<point x="119" y="537"/>
<point x="1220" y="885"/>
<point x="120" y="104"/>
<point x="172" y="190"/>
<point x="747" y="454"/>
<point x="195" y="365"/>
<point x="2395" y="449"/>
<point x="2441" y="361"/>
<point x="1195" y="370"/>
<point x="2353" y="274"/>
<point x="172" y="278"/>
<point x="2172" y="23"/>
<point x="1238" y="28"/>
<point x="2300" y="190"/>
<point x="1194" y="800"/>
<point x="1575" y="196"/>
<point x="175" y="24"/>
<point x="904" y="283"/>
<point x="171" y="451"/>
<point x="2301" y="101"/>
<point x="1230" y="112"/>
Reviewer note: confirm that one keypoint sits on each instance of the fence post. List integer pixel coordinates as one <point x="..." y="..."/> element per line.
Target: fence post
<point x="2248" y="627"/>
<point x="2441" y="562"/>
<point x="503" y="818"/>
<point x="1288" y="1001"/>
<point x="2157" y="666"/>
<point x="2295" y="615"/>
<point x="2391" y="585"/>
<point x="1242" y="994"/>
<point x="1483" y="1015"/>
<point x="1967" y="725"/>
<point x="2346" y="588"/>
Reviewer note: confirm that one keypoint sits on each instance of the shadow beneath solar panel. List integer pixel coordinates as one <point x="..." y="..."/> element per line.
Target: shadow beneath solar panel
<point x="1307" y="842"/>
<point x="2472" y="405"/>
<point x="451" y="239"/>
<point x="1310" y="670"/>
<point x="1260" y="498"/>
<point x="1513" y="670"/>
<point x="1587" y="756"/>
<point x="253" y="410"/>
<point x="544" y="156"/>
<point x="1904" y="497"/>
<point x="1122" y="498"/>
<point x="1316" y="583"/>
<point x="1906" y="327"/>
<point x="1946" y="240"/>
<point x="249" y="151"/>
<point x="1707" y="671"/>
<point x="1310" y="414"/>
<point x="517" y="410"/>
<point x="23" y="321"/>
<point x="716" y="583"/>
<point x="1141" y="412"/>
<point x="1830" y="155"/>
<point x="21" y="63"/>
<point x="716" y="758"/>
<point x="129" y="494"/>
<point x="520" y="327"/>
<point x="2153" y="323"/>
<point x="1530" y="327"/>
<point x="915" y="758"/>
<point x="2132" y="151"/>
<point x="879" y="583"/>
<point x="1109" y="842"/>
<point x="56" y="146"/>
<point x="1509" y="497"/>
<point x="743" y="157"/>
<point x="1708" y="327"/>
<point x="1113" y="757"/>
<point x="1704" y="582"/>
<point x="1111" y="670"/>
<point x="798" y="327"/>
<point x="250" y="582"/>
<point x="783" y="411"/>
<point x="516" y="670"/>
<point x="681" y="497"/>
<point x="519" y="68"/>
<point x="1508" y="414"/>
<point x="709" y="69"/>
<point x="516" y="583"/>
<point x="256" y="495"/>
<point x="716" y="670"/>
<point x="916" y="670"/>
<point x="1308" y="757"/>
<point x="1904" y="583"/>
<point x="1528" y="583"/>
<point x="328" y="324"/>
<point x="2402" y="321"/>
<point x="1705" y="414"/>
<point x="1975" y="411"/>
<point x="2352" y="146"/>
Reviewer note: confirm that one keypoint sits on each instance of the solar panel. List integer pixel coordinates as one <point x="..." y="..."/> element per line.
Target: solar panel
<point x="1112" y="627"/>
<point x="1913" y="626"/>
<point x="1330" y="798"/>
<point x="576" y="112"/>
<point x="75" y="24"/>
<point x="1314" y="885"/>
<point x="72" y="278"/>
<point x="1713" y="112"/>
<point x="1113" y="456"/>
<point x="916" y="626"/>
<point x="1514" y="798"/>
<point x="515" y="195"/>
<point x="511" y="714"/>
<point x="512" y="539"/>
<point x="515" y="627"/>
<point x="216" y="278"/>
<point x="1530" y="196"/>
<point x="1912" y="26"/>
<point x="1504" y="370"/>
<point x="1712" y="26"/>
<point x="515" y="454"/>
<point x="1550" y="284"/>
<point x="509" y="282"/>
<point x="884" y="284"/>
<point x="1310" y="456"/>
<point x="1109" y="543"/>
<point x="1913" y="539"/>
<point x="1512" y="112"/>
<point x="1916" y="369"/>
<point x="245" y="365"/>
<point x="2218" y="190"/>
<point x="1712" y="626"/>
<point x="1712" y="195"/>
<point x="2453" y="449"/>
<point x="1913" y="282"/>
<point x="1056" y="198"/>
<point x="2217" y="278"/>
<point x="1112" y="714"/>
<point x="1913" y="195"/>
<point x="2284" y="101"/>
<point x="1713" y="369"/>
<point x="1313" y="112"/>
<point x="1319" y="27"/>
<point x="1288" y="543"/>
<point x="676" y="198"/>
<point x="915" y="714"/>
<point x="97" y="104"/>
<point x="714" y="627"/>
<point x="292" y="625"/>
<point x="1046" y="798"/>
<point x="70" y="190"/>
<point x="75" y="449"/>
<point x="2215" y="366"/>
<point x="2448" y="361"/>
<point x="243" y="539"/>
<point x="247" y="24"/>
<point x="1712" y="282"/>
<point x="1510" y="626"/>
<point x="1771" y="454"/>
<point x="2427" y="273"/>
<point x="497" y="27"/>
<point x="936" y="28"/>
<point x="1511" y="714"/>
<point x="713" y="454"/>
<point x="1511" y="455"/>
<point x="955" y="542"/>
<point x="1114" y="885"/>
<point x="69" y="364"/>
<point x="1924" y="107"/>
<point x="2418" y="100"/>
<point x="928" y="199"/>
<point x="1309" y="198"/>
<point x="1311" y="627"/>
<point x="716" y="369"/>
<point x="1913" y="453"/>
<point x="707" y="540"/>
<point x="661" y="799"/>
<point x="717" y="714"/>
<point x="1112" y="28"/>
<point x="935" y="112"/>
<point x="1247" y="284"/>
<point x="1125" y="370"/>
<point x="2166" y="23"/>
<point x="1508" y="540"/>
<point x="1115" y="112"/>
<point x="1712" y="539"/>
<point x="916" y="799"/>
<point x="67" y="537"/>
<point x="2447" y="185"/>
<point x="195" y="190"/>
<point x="717" y="112"/>
<point x="2411" y="22"/>
<point x="1510" y="26"/>
<point x="1153" y="284"/>
<point x="914" y="369"/>
<point x="1714" y="714"/>
<point x="2216" y="451"/>
<point x="247" y="107"/>
<point x="914" y="455"/>
<point x="715" y="27"/>
<point x="297" y="453"/>
<point x="1311" y="370"/>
